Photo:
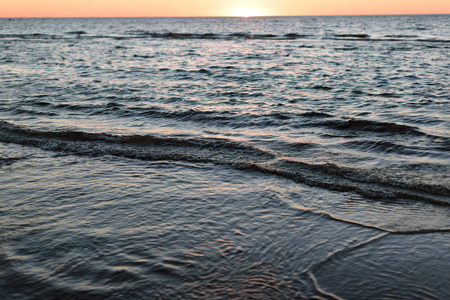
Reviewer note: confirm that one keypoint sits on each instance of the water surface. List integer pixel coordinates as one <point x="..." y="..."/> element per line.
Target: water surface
<point x="291" y="157"/>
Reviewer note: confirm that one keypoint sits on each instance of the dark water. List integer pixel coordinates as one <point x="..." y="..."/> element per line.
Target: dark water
<point x="300" y="157"/>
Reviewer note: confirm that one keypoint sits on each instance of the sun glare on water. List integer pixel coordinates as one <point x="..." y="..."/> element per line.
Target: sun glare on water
<point x="246" y="12"/>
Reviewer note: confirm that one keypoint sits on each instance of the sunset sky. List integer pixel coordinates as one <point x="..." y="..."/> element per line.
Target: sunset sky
<point x="158" y="8"/>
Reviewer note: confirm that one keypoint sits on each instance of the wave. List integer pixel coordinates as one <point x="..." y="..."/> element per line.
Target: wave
<point x="353" y="36"/>
<point x="139" y="34"/>
<point x="329" y="123"/>
<point x="211" y="117"/>
<point x="364" y="134"/>
<point x="372" y="126"/>
<point x="77" y="32"/>
<point x="236" y="154"/>
<point x="5" y="161"/>
<point x="216" y="36"/>
<point x="31" y="36"/>
<point x="132" y="146"/>
<point x="385" y="147"/>
<point x="142" y="34"/>
<point x="386" y="38"/>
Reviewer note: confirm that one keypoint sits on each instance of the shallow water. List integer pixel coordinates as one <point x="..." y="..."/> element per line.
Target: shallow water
<point x="225" y="157"/>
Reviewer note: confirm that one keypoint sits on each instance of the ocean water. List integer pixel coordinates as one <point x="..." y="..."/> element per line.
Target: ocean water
<point x="224" y="158"/>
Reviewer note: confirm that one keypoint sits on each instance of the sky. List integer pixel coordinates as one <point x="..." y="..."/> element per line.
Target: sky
<point x="192" y="8"/>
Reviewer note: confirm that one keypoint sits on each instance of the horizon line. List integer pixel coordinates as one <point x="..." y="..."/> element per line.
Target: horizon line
<point x="261" y="16"/>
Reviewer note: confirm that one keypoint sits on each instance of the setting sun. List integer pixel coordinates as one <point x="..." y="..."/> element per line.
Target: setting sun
<point x="246" y="11"/>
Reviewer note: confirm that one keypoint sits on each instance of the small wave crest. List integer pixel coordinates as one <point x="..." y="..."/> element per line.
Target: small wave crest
<point x="31" y="36"/>
<point x="236" y="154"/>
<point x="132" y="146"/>
<point x="372" y="126"/>
<point x="344" y="179"/>
<point x="353" y="36"/>
<point x="144" y="34"/>
<point x="5" y="161"/>
<point x="215" y="36"/>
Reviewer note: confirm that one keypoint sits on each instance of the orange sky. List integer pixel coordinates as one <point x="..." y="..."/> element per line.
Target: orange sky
<point x="152" y="8"/>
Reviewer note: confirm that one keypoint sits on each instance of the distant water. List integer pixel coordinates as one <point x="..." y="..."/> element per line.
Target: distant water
<point x="212" y="158"/>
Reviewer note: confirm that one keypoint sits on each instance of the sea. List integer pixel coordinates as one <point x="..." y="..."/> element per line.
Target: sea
<point x="225" y="158"/>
